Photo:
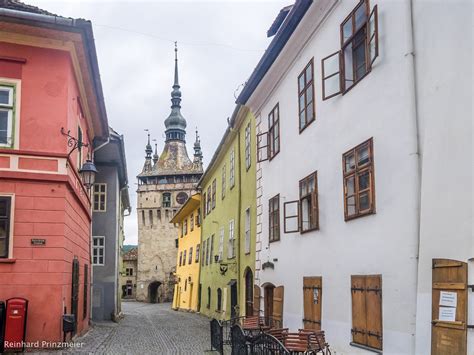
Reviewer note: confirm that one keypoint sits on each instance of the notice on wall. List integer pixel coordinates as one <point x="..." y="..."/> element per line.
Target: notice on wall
<point x="448" y="299"/>
<point x="447" y="314"/>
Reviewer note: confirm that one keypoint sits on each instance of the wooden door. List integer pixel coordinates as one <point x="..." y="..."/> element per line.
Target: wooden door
<point x="449" y="307"/>
<point x="249" y="293"/>
<point x="312" y="298"/>
<point x="256" y="300"/>
<point x="268" y="303"/>
<point x="278" y="299"/>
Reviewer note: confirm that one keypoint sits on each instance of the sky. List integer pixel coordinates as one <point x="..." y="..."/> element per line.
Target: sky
<point x="219" y="45"/>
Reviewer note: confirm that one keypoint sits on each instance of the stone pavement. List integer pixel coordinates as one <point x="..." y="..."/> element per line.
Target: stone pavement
<point x="148" y="329"/>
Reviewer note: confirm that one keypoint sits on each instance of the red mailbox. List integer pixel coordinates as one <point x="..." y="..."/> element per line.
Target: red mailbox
<point x="15" y="324"/>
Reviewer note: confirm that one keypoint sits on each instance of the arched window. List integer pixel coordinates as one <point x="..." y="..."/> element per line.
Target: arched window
<point x="219" y="299"/>
<point x="208" y="297"/>
<point x="166" y="199"/>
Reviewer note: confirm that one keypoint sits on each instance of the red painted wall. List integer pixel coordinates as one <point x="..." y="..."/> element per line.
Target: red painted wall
<point x="48" y="206"/>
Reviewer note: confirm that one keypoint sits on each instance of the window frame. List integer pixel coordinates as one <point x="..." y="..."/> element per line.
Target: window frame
<point x="9" y="225"/>
<point x="221" y="243"/>
<point x="214" y="192"/>
<point x="209" y="200"/>
<point x="273" y="132"/>
<point x="223" y="177"/>
<point x="247" y="230"/>
<point x="303" y="91"/>
<point x="356" y="172"/>
<point x="10" y="108"/>
<point x="99" y="194"/>
<point x="198" y="252"/>
<point x="96" y="258"/>
<point x="313" y="207"/>
<point x="248" y="153"/>
<point x="272" y="214"/>
<point x="164" y="202"/>
<point x="231" y="240"/>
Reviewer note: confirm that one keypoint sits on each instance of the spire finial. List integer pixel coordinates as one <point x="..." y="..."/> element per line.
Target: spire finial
<point x="176" y="82"/>
<point x="148" y="149"/>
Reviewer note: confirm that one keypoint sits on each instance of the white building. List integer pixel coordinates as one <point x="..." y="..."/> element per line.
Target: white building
<point x="358" y="194"/>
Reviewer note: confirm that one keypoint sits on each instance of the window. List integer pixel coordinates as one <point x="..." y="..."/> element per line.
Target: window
<point x="98" y="250"/>
<point x="191" y="222"/>
<point x="86" y="286"/>
<point x="209" y="200"/>
<point x="274" y="132"/>
<point x="166" y="199"/>
<point x="150" y="214"/>
<point x="219" y="300"/>
<point x="208" y="298"/>
<point x="274" y="218"/>
<point x="223" y="177"/>
<point x="185" y="226"/>
<point x="190" y="261"/>
<point x="232" y="168"/>
<point x="129" y="271"/>
<point x="143" y="217"/>
<point x="214" y="187"/>
<point x="5" y="219"/>
<point x="100" y="198"/>
<point x="7" y="110"/>
<point x="180" y="258"/>
<point x="359" y="189"/>
<point x="309" y="203"/>
<point x="263" y="146"/>
<point x="231" y="248"/>
<point x="204" y="204"/>
<point x="197" y="253"/>
<point x="221" y="243"/>
<point x="366" y="291"/>
<point x="198" y="217"/>
<point x="306" y="96"/>
<point x="211" y="254"/>
<point x="184" y="257"/>
<point x="248" y="159"/>
<point x="158" y="214"/>
<point x="247" y="231"/>
<point x="207" y="251"/>
<point x="359" y="49"/>
<point x="203" y="258"/>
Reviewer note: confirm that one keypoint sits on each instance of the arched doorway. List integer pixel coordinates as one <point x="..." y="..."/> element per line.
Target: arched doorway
<point x="153" y="292"/>
<point x="248" y="292"/>
<point x="268" y="302"/>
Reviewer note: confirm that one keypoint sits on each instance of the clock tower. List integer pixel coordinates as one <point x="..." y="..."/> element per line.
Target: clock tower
<point x="164" y="185"/>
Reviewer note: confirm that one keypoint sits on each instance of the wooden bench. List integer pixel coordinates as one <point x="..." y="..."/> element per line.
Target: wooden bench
<point x="279" y="333"/>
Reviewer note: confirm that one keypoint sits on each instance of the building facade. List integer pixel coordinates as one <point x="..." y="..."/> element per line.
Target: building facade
<point x="366" y="250"/>
<point x="228" y="227"/>
<point x="49" y="84"/>
<point x="128" y="276"/>
<point x="186" y="291"/>
<point x="164" y="185"/>
<point x="110" y="201"/>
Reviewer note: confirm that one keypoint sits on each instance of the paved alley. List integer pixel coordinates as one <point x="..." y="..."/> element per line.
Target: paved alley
<point x="148" y="329"/>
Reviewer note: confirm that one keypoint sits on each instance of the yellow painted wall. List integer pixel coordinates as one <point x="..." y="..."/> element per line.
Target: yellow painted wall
<point x="187" y="274"/>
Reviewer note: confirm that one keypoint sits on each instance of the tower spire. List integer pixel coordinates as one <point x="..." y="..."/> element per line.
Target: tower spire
<point x="155" y="156"/>
<point x="148" y="151"/>
<point x="197" y="150"/>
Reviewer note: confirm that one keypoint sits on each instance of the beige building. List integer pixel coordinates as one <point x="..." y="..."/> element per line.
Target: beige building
<point x="164" y="185"/>
<point x="128" y="275"/>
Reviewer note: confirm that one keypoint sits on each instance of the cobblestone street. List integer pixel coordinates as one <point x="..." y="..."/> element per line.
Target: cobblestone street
<point x="149" y="329"/>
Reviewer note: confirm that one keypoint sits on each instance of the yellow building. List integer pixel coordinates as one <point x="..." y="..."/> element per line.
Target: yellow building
<point x="187" y="264"/>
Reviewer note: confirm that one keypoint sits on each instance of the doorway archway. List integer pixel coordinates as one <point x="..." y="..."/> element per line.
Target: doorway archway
<point x="153" y="292"/>
<point x="248" y="292"/>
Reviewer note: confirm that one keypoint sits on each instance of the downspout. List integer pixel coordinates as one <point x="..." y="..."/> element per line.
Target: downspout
<point x="412" y="77"/>
<point x="239" y="207"/>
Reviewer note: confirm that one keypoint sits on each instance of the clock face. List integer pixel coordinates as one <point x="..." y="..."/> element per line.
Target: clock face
<point x="181" y="197"/>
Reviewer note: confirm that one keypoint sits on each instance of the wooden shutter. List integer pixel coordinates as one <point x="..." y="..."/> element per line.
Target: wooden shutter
<point x="278" y="298"/>
<point x="359" y="314"/>
<point x="372" y="38"/>
<point x="373" y="303"/>
<point x="449" y="337"/>
<point x="256" y="300"/>
<point x="291" y="213"/>
<point x="312" y="293"/>
<point x="262" y="147"/>
<point x="331" y="73"/>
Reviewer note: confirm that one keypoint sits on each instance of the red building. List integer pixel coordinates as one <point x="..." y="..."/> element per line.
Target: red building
<point x="49" y="80"/>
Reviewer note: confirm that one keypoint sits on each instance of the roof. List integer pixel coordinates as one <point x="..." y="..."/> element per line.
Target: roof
<point x="284" y="33"/>
<point x="278" y="21"/>
<point x="18" y="12"/>
<point x="132" y="254"/>
<point x="189" y="206"/>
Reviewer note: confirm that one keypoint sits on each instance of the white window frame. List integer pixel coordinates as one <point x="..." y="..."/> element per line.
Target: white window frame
<point x="221" y="243"/>
<point x="248" y="155"/>
<point x="247" y="230"/>
<point x="231" y="248"/>
<point x="98" y="248"/>
<point x="10" y="108"/>
<point x="232" y="168"/>
<point x="98" y="194"/>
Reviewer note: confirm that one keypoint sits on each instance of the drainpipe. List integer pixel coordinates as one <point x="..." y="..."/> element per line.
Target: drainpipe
<point x="239" y="207"/>
<point x="412" y="78"/>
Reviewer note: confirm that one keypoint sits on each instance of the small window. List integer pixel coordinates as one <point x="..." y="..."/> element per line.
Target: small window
<point x="367" y="320"/>
<point x="129" y="271"/>
<point x="359" y="186"/>
<point x="150" y="214"/>
<point x="219" y="300"/>
<point x="207" y="251"/>
<point x="7" y="108"/>
<point x="247" y="231"/>
<point x="211" y="253"/>
<point x="185" y="226"/>
<point x="166" y="199"/>
<point x="184" y="257"/>
<point x="248" y="159"/>
<point x="223" y="177"/>
<point x="204" y="204"/>
<point x="180" y="258"/>
<point x="203" y="257"/>
<point x="209" y="200"/>
<point x="143" y="217"/>
<point x="274" y="218"/>
<point x="98" y="251"/>
<point x="309" y="211"/>
<point x="190" y="261"/>
<point x="232" y="168"/>
<point x="197" y="253"/>
<point x="231" y="247"/>
<point x="191" y="222"/>
<point x="221" y="243"/>
<point x="198" y="217"/>
<point x="5" y="221"/>
<point x="306" y="96"/>
<point x="274" y="132"/>
<point x="100" y="198"/>
<point x="214" y="188"/>
<point x="158" y="214"/>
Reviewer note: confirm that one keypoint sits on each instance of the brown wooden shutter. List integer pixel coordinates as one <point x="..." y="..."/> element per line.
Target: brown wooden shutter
<point x="373" y="303"/>
<point x="278" y="298"/>
<point x="449" y="337"/>
<point x="359" y="313"/>
<point x="256" y="300"/>
<point x="312" y="297"/>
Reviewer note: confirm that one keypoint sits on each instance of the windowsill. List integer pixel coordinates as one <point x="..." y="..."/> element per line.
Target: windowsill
<point x="7" y="261"/>
<point x="349" y="218"/>
<point x="309" y="230"/>
<point x="368" y="348"/>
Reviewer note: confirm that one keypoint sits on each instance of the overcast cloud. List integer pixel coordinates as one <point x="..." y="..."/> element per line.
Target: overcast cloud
<point x="220" y="43"/>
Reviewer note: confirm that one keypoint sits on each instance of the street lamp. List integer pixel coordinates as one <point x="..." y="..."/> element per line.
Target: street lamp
<point x="88" y="172"/>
